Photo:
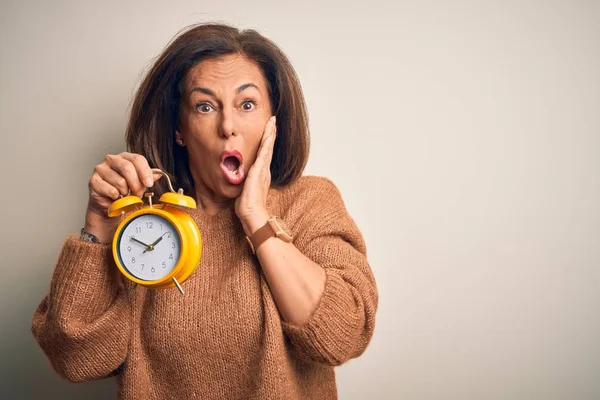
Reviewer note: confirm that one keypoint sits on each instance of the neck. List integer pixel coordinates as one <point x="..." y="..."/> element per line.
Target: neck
<point x="208" y="201"/>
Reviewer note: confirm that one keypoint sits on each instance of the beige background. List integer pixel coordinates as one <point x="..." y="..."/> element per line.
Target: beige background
<point x="464" y="137"/>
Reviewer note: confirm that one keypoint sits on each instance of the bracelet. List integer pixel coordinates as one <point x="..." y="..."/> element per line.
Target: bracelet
<point x="88" y="237"/>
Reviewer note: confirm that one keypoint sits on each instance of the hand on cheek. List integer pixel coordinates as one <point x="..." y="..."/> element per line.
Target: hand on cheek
<point x="251" y="206"/>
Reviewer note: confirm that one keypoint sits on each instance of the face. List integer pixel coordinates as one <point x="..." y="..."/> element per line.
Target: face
<point x="225" y="107"/>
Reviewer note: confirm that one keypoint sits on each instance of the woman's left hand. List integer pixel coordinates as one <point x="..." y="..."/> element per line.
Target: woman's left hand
<point x="251" y="206"/>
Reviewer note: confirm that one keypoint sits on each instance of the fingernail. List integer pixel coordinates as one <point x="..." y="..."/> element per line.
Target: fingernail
<point x="149" y="181"/>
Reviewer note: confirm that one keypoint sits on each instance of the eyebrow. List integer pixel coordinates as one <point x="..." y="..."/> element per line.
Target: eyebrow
<point x="237" y="91"/>
<point x="246" y="86"/>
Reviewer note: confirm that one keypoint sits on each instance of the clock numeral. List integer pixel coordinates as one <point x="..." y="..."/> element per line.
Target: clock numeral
<point x="128" y="248"/>
<point x="138" y="229"/>
<point x="161" y="227"/>
<point x="171" y="256"/>
<point x="173" y="244"/>
<point x="142" y="267"/>
<point x="169" y="235"/>
<point x="152" y="270"/>
<point x="133" y="260"/>
<point x="164" y="264"/>
<point x="149" y="225"/>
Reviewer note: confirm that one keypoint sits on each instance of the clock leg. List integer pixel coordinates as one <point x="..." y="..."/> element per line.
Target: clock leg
<point x="178" y="285"/>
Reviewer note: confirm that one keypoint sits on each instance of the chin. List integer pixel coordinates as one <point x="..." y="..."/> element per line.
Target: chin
<point x="231" y="191"/>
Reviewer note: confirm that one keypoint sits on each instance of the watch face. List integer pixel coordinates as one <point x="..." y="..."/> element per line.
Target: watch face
<point x="280" y="224"/>
<point x="282" y="230"/>
<point x="149" y="247"/>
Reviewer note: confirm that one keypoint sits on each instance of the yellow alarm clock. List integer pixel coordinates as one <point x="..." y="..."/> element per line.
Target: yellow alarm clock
<point x="156" y="245"/>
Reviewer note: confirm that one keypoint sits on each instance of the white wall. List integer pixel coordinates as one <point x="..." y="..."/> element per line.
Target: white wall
<point x="464" y="137"/>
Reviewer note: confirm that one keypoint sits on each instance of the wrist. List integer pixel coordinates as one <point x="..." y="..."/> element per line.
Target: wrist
<point x="99" y="226"/>
<point x="88" y="237"/>
<point x="254" y="222"/>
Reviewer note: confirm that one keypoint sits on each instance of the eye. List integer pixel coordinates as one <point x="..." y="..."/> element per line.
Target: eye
<point x="204" y="108"/>
<point x="248" y="105"/>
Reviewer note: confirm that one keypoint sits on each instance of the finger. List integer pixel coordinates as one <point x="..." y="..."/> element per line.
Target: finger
<point x="142" y="167"/>
<point x="270" y="145"/>
<point x="99" y="187"/>
<point x="111" y="177"/>
<point x="127" y="170"/>
<point x="265" y="151"/>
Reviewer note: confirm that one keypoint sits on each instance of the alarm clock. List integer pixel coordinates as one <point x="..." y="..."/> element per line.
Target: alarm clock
<point x="156" y="245"/>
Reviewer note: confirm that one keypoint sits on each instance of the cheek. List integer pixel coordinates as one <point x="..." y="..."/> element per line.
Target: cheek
<point x="200" y="133"/>
<point x="255" y="128"/>
<point x="252" y="139"/>
<point x="202" y="143"/>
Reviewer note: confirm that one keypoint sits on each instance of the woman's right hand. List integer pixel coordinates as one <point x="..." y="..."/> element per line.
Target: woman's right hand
<point x="114" y="176"/>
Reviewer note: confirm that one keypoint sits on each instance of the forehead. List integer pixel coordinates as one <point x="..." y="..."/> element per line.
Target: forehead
<point x="225" y="73"/>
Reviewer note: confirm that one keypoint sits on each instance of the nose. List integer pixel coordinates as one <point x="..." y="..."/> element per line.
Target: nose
<point x="228" y="126"/>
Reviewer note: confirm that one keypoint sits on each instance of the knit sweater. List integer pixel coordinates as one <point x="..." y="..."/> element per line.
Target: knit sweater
<point x="223" y="339"/>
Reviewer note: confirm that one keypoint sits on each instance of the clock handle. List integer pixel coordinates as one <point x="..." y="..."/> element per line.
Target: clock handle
<point x="160" y="171"/>
<point x="178" y="285"/>
<point x="174" y="197"/>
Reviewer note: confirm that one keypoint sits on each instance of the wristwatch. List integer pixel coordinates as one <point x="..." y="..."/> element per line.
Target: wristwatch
<point x="273" y="228"/>
<point x="88" y="237"/>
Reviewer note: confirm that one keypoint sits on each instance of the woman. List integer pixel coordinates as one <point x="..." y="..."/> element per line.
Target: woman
<point x="223" y="113"/>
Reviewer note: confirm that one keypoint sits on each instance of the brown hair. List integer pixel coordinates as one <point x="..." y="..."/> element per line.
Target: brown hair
<point x="156" y="107"/>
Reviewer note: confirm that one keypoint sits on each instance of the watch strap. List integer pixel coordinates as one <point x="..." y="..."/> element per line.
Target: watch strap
<point x="260" y="236"/>
<point x="272" y="228"/>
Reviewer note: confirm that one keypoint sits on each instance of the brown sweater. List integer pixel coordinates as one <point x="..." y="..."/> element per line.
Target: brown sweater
<point x="223" y="339"/>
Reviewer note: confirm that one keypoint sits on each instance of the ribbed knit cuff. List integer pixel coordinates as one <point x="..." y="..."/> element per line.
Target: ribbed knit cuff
<point x="330" y="334"/>
<point x="85" y="280"/>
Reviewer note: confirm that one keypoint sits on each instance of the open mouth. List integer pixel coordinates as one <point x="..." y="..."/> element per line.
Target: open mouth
<point x="232" y="165"/>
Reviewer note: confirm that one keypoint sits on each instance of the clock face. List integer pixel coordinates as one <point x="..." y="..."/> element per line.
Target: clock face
<point x="149" y="247"/>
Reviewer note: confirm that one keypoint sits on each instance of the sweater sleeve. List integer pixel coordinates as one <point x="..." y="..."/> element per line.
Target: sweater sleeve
<point x="82" y="324"/>
<point x="342" y="324"/>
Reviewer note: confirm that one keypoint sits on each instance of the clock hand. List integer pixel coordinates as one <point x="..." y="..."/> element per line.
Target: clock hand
<point x="139" y="241"/>
<point x="151" y="247"/>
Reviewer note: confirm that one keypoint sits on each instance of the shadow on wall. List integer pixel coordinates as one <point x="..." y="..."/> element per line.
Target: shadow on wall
<point x="25" y="372"/>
